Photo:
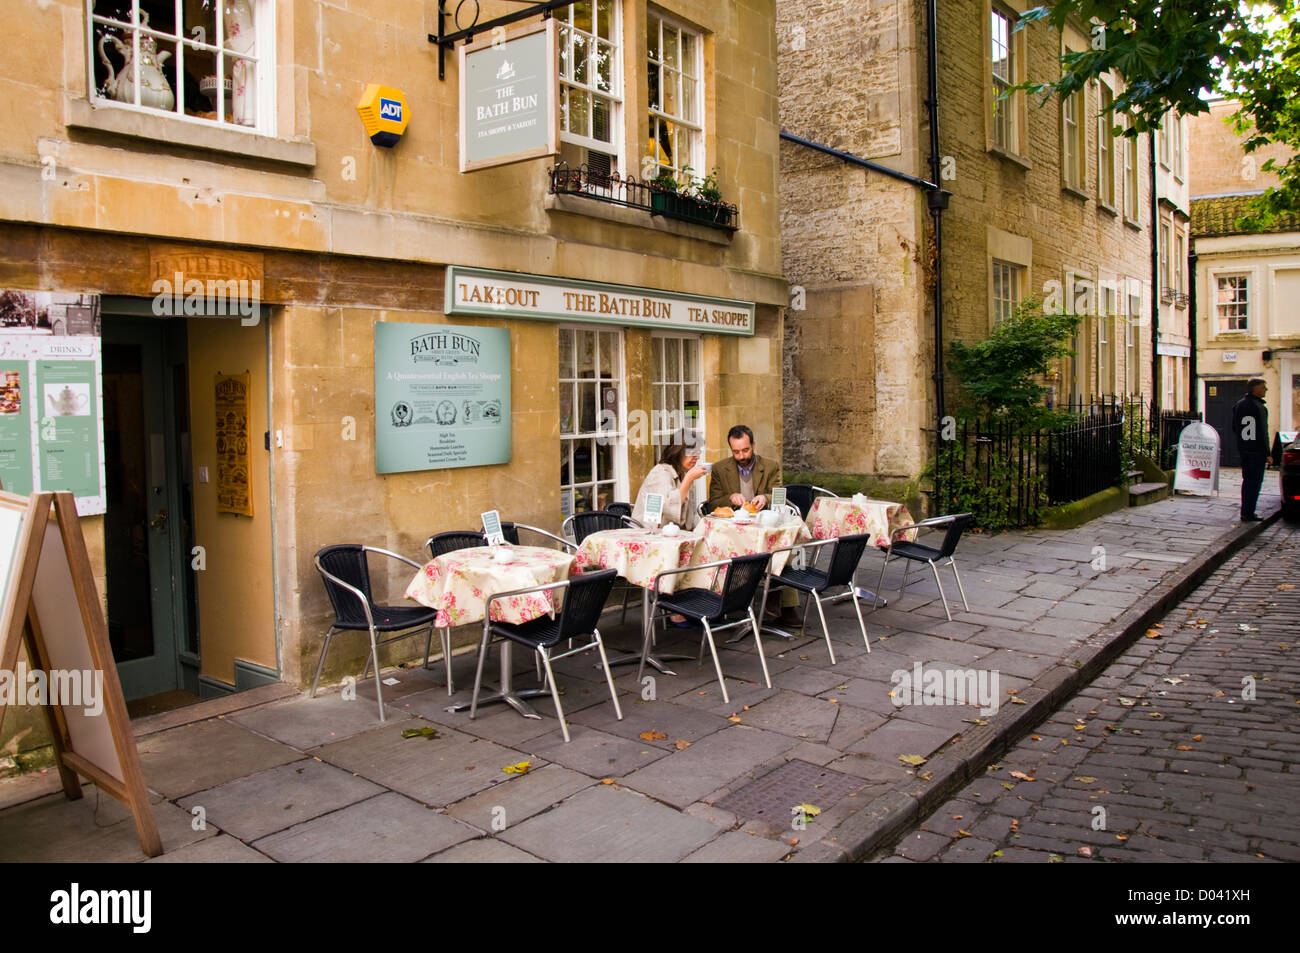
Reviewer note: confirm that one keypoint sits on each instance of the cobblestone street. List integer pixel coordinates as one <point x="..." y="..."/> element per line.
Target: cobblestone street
<point x="1185" y="750"/>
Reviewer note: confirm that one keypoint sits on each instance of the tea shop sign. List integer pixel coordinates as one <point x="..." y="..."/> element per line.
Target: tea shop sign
<point x="508" y="91"/>
<point x="485" y="293"/>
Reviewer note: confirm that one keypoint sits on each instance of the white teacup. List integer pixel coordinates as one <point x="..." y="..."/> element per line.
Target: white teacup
<point x="671" y="529"/>
<point x="769" y="517"/>
<point x="859" y="499"/>
<point x="503" y="555"/>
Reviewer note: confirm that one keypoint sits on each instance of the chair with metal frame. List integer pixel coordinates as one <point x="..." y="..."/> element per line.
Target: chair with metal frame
<point x="803" y="494"/>
<point x="622" y="509"/>
<point x="440" y="544"/>
<point x="710" y="609"/>
<point x="347" y="583"/>
<point x="845" y="554"/>
<point x="582" y="525"/>
<point x="584" y="598"/>
<point x="953" y="525"/>
<point x="511" y="533"/>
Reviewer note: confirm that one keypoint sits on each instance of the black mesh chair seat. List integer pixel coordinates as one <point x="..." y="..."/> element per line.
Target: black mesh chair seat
<point x="711" y="609"/>
<point x="953" y="526"/>
<point x="439" y="544"/>
<point x="595" y="521"/>
<point x="622" y="509"/>
<point x="346" y="574"/>
<point x="845" y="554"/>
<point x="584" y="598"/>
<point x="510" y="531"/>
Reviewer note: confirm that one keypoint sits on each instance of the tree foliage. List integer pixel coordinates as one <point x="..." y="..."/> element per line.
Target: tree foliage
<point x="1171" y="52"/>
<point x="1002" y="372"/>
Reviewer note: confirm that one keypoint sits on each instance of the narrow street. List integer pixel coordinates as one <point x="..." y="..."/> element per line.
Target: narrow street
<point x="1184" y="750"/>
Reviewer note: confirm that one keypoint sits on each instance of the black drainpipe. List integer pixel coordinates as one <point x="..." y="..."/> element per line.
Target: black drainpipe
<point x="937" y="199"/>
<point x="1193" y="391"/>
<point x="1155" y="280"/>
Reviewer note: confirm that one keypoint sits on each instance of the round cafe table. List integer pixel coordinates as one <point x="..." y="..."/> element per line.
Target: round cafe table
<point x="458" y="584"/>
<point x="723" y="538"/>
<point x="832" y="516"/>
<point x="639" y="555"/>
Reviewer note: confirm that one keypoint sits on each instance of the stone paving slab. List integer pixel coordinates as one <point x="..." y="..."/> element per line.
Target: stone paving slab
<point x="708" y="765"/>
<point x="609" y="825"/>
<point x="516" y="798"/>
<point x="221" y="849"/>
<point x="485" y="850"/>
<point x="197" y="757"/>
<point x="309" y="722"/>
<point x="388" y="828"/>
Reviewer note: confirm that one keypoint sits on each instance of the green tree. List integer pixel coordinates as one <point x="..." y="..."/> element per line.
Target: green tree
<point x="1002" y="372"/>
<point x="1170" y="52"/>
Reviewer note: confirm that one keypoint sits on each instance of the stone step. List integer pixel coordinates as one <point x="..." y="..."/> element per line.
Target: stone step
<point x="1140" y="494"/>
<point x="1133" y="476"/>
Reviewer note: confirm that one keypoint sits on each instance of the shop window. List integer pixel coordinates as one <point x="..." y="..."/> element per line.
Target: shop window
<point x="675" y="97"/>
<point x="593" y="441"/>
<point x="591" y="84"/>
<point x="678" y="388"/>
<point x="1232" y="302"/>
<point x="202" y="60"/>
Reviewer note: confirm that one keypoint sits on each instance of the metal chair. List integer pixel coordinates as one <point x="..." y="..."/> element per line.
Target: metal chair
<point x="845" y="554"/>
<point x="710" y="609"/>
<point x="347" y="583"/>
<point x="953" y="525"/>
<point x="511" y="532"/>
<point x="439" y="544"/>
<point x="803" y="494"/>
<point x="582" y="525"/>
<point x="622" y="509"/>
<point x="584" y="598"/>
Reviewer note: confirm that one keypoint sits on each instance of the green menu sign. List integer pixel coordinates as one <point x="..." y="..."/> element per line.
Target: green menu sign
<point x="508" y="89"/>
<point x="69" y="426"/>
<point x="442" y="396"/>
<point x="15" y="427"/>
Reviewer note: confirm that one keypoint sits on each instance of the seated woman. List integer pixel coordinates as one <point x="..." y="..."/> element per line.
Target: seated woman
<point x="672" y="477"/>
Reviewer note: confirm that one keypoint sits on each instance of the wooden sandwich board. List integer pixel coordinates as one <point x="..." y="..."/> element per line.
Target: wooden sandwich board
<point x="50" y="602"/>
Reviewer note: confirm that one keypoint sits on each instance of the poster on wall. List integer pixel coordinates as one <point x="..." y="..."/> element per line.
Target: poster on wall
<point x="233" y="464"/>
<point x="51" y="396"/>
<point x="442" y="397"/>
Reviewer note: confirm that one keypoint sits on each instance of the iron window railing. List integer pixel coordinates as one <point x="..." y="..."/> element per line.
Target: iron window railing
<point x="630" y="193"/>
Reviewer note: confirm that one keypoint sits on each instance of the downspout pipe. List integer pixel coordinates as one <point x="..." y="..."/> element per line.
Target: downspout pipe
<point x="1155" y="279"/>
<point x="937" y="198"/>
<point x="1193" y="388"/>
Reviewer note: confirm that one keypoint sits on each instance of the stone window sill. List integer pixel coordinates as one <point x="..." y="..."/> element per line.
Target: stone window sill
<point x="1076" y="192"/>
<point x="1011" y="157"/>
<point x="81" y="113"/>
<point x="1109" y="210"/>
<point x="638" y="218"/>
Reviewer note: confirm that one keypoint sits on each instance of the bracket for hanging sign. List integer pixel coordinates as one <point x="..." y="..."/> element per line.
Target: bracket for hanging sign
<point x="467" y="31"/>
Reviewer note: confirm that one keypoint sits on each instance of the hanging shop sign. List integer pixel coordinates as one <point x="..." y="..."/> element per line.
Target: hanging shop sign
<point x="541" y="297"/>
<point x="508" y="93"/>
<point x="1197" y="470"/>
<point x="442" y="397"/>
<point x="51" y="413"/>
<point x="384" y="113"/>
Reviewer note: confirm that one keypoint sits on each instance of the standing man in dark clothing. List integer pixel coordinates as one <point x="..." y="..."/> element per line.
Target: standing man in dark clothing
<point x="1250" y="427"/>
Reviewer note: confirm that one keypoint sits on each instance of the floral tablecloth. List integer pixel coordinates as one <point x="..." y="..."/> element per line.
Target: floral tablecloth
<point x="722" y="538"/>
<point x="459" y="583"/>
<point x="638" y="555"/>
<point x="832" y="517"/>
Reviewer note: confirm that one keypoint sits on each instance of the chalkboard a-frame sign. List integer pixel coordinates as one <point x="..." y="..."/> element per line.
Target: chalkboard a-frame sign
<point x="50" y="603"/>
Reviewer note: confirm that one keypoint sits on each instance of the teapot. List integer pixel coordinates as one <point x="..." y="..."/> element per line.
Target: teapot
<point x="68" y="403"/>
<point x="155" y="91"/>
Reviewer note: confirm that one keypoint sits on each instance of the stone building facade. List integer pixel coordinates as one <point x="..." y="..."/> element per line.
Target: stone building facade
<point x="1045" y="202"/>
<point x="276" y="182"/>
<point x="1247" y="324"/>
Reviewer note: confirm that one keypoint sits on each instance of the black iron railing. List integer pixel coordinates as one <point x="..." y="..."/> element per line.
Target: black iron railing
<point x="628" y="192"/>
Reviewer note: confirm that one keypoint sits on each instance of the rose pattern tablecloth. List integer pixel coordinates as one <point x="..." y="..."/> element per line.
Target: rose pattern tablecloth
<point x="638" y="555"/>
<point x="832" y="517"/>
<point x="458" y="584"/>
<point x="722" y="538"/>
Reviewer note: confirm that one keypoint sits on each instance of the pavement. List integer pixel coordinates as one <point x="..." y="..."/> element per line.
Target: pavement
<point x="824" y="766"/>
<point x="1182" y="751"/>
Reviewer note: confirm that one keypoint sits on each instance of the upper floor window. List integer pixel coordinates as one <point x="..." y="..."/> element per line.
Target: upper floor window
<point x="1232" y="302"/>
<point x="1178" y="146"/>
<point x="1166" y="276"/>
<point x="1106" y="150"/>
<point x="591" y="85"/>
<point x="1130" y="150"/>
<point x="1166" y="126"/>
<point x="1180" y="260"/>
<point x="1072" y="139"/>
<point x="1003" y="68"/>
<point x="673" y="72"/>
<point x="205" y="60"/>
<point x="1006" y="289"/>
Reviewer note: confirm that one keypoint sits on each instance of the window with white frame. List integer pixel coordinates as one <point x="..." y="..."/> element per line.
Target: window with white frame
<point x="1132" y="343"/>
<point x="593" y="444"/>
<point x="1165" y="125"/>
<point x="1130" y="150"/>
<point x="199" y="60"/>
<point x="1106" y="149"/>
<point x="1003" y="68"/>
<point x="678" y="388"/>
<point x="1072" y="140"/>
<point x="591" y="84"/>
<point x="1177" y="146"/>
<point x="1232" y="302"/>
<point x="1166" y="280"/>
<point x="1006" y="289"/>
<point x="675" y="98"/>
<point x="1180" y="260"/>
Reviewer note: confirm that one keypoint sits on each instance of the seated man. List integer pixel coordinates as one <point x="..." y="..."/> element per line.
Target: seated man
<point x="746" y="476"/>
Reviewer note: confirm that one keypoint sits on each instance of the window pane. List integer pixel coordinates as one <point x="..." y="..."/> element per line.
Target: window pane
<point x="688" y="54"/>
<point x="604" y="67"/>
<point x="581" y="50"/>
<point x="657" y="349"/>
<point x="605" y="19"/>
<point x="566" y="353"/>
<point x="672" y="359"/>
<point x="608" y="352"/>
<point x="586" y="354"/>
<point x="567" y="404"/>
<point x="566" y="467"/>
<point x="691" y="351"/>
<point x="670" y="47"/>
<point x="600" y="121"/>
<point x="672" y="98"/>
<point x="579" y="112"/>
<point x="587" y="408"/>
<point x="582" y="15"/>
<point x="604" y="462"/>
<point x="689" y="110"/>
<point x="582" y="460"/>
<point x="652" y="38"/>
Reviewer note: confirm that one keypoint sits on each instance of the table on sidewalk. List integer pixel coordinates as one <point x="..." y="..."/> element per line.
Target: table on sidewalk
<point x="834" y="516"/>
<point x="458" y="584"/>
<point x="638" y="556"/>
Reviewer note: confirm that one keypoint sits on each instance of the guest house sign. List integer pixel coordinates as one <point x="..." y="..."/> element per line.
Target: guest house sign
<point x="508" y="91"/>
<point x="442" y="396"/>
<point x="540" y="297"/>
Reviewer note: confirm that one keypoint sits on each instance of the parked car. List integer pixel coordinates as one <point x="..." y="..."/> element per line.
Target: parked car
<point x="1289" y="477"/>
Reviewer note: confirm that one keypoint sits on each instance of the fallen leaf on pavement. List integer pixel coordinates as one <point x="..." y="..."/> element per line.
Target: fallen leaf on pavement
<point x="606" y="780"/>
<point x="1152" y="634"/>
<point x="1285" y="586"/>
<point x="1086" y="779"/>
<point x="1019" y="701"/>
<point x="913" y="759"/>
<point x="811" y="810"/>
<point x="975" y="721"/>
<point x="1078" y="727"/>
<point x="652" y="736"/>
<point x="1186" y="748"/>
<point x="735" y="718"/>
<point x="1197" y="737"/>
<point x="681" y="744"/>
<point x="518" y="768"/>
<point x="1021" y="775"/>
<point x="1127" y="702"/>
<point x="961" y="834"/>
<point x="925" y="775"/>
<point x="1121" y="837"/>
<point x="1085" y="851"/>
<point x="1008" y="785"/>
<point x="1035" y="738"/>
<point x="425" y="732"/>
